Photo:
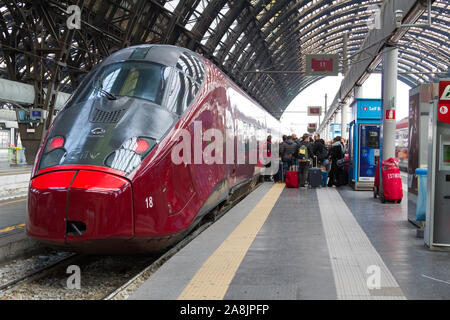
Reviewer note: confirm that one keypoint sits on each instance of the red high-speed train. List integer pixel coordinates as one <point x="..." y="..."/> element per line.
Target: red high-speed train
<point x="104" y="180"/>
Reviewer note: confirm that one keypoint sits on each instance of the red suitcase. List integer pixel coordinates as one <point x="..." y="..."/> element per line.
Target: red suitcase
<point x="392" y="181"/>
<point x="292" y="178"/>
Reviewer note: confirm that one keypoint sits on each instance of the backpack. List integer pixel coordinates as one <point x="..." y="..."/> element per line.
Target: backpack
<point x="303" y="153"/>
<point x="324" y="154"/>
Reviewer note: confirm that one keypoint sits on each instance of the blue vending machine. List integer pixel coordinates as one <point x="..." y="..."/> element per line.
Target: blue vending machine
<point x="364" y="142"/>
<point x="335" y="130"/>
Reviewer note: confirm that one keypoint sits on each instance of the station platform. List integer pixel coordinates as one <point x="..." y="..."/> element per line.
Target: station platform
<point x="14" y="181"/>
<point x="13" y="240"/>
<point x="10" y="169"/>
<point x="294" y="244"/>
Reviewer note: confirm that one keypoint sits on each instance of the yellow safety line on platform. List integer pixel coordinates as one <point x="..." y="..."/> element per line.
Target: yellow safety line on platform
<point x="14" y="201"/>
<point x="212" y="280"/>
<point x="10" y="173"/>
<point x="12" y="228"/>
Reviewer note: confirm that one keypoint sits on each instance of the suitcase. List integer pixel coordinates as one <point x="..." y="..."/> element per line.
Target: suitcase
<point x="314" y="175"/>
<point x="292" y="177"/>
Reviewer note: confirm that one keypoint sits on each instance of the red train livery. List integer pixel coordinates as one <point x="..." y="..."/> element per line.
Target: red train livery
<point x="104" y="181"/>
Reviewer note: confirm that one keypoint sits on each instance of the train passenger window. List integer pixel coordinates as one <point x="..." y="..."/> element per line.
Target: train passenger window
<point x="142" y="80"/>
<point x="182" y="91"/>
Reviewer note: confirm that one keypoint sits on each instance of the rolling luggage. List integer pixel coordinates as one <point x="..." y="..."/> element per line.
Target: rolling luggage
<point x="292" y="177"/>
<point x="315" y="175"/>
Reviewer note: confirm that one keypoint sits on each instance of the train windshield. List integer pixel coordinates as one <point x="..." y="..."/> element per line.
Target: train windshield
<point x="143" y="80"/>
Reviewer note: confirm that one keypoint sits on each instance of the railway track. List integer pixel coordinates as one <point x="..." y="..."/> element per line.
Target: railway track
<point x="103" y="277"/>
<point x="34" y="274"/>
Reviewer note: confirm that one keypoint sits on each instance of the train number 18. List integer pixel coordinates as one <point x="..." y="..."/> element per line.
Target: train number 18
<point x="149" y="202"/>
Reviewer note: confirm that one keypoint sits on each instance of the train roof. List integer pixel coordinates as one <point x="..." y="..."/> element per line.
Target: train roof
<point x="164" y="54"/>
<point x="402" y="124"/>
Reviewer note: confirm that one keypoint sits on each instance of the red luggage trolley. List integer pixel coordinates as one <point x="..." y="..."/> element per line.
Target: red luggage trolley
<point x="392" y="181"/>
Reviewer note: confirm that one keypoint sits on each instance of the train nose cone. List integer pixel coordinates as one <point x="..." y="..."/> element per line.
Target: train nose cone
<point x="47" y="205"/>
<point x="74" y="207"/>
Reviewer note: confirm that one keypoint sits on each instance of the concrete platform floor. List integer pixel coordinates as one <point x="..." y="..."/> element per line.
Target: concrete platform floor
<point x="326" y="243"/>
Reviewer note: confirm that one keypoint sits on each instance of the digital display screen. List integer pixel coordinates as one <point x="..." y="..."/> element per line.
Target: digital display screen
<point x="373" y="142"/>
<point x="36" y="114"/>
<point x="446" y="154"/>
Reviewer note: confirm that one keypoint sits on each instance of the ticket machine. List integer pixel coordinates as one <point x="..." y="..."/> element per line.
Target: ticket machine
<point x="364" y="142"/>
<point x="437" y="226"/>
<point x="335" y="130"/>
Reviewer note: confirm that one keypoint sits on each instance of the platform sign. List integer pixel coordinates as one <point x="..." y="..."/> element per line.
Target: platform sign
<point x="312" y="125"/>
<point x="444" y="101"/>
<point x="314" y="111"/>
<point x="322" y="64"/>
<point x="367" y="109"/>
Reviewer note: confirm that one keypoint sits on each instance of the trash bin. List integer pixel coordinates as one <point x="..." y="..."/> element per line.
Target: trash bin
<point x="20" y="155"/>
<point x="421" y="207"/>
<point x="16" y="155"/>
<point x="10" y="154"/>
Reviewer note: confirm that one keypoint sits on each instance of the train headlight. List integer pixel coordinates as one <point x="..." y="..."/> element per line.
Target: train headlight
<point x="54" y="143"/>
<point x="142" y="146"/>
<point x="54" y="153"/>
<point x="130" y="154"/>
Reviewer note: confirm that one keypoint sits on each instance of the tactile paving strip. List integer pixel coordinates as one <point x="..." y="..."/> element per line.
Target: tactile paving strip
<point x="214" y="277"/>
<point x="354" y="260"/>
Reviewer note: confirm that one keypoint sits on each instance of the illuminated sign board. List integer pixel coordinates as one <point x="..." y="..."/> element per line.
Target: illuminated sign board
<point x="444" y="101"/>
<point x="322" y="64"/>
<point x="28" y="116"/>
<point x="314" y="111"/>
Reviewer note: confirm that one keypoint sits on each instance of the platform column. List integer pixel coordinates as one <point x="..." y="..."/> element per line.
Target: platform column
<point x="389" y="97"/>
<point x="11" y="137"/>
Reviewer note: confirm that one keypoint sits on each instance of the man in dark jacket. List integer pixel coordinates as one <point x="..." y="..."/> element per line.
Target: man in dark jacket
<point x="288" y="152"/>
<point x="320" y="150"/>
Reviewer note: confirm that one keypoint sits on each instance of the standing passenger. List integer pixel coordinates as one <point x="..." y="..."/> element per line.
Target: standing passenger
<point x="288" y="151"/>
<point x="336" y="172"/>
<point x="304" y="153"/>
